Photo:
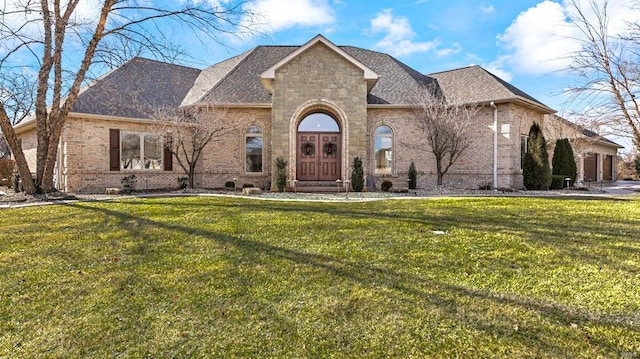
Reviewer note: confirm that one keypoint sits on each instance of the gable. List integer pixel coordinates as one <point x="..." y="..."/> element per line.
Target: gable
<point x="269" y="75"/>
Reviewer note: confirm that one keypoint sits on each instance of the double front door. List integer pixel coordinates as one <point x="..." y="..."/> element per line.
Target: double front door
<point x="318" y="156"/>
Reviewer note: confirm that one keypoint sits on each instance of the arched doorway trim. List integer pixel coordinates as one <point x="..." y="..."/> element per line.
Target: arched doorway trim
<point x="311" y="106"/>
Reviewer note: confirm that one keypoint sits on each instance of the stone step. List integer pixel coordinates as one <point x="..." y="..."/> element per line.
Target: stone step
<point x="311" y="189"/>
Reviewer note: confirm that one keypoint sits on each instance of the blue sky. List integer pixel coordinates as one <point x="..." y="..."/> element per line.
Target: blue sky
<point x="525" y="42"/>
<point x="522" y="41"/>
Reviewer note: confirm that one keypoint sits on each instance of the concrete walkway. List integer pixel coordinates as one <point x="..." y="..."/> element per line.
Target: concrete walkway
<point x="622" y="188"/>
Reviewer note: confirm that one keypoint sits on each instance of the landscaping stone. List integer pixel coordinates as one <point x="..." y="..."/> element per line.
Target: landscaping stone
<point x="112" y="191"/>
<point x="251" y="190"/>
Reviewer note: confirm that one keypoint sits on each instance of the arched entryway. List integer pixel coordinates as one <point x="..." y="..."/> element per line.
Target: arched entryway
<point x="318" y="154"/>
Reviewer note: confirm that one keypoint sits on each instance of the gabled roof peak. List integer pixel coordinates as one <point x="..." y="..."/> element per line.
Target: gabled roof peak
<point x="269" y="75"/>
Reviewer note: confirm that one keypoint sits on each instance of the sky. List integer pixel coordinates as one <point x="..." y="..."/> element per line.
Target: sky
<point x="525" y="42"/>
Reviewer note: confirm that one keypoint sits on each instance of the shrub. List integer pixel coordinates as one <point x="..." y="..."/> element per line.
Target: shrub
<point x="563" y="162"/>
<point x="183" y="182"/>
<point x="230" y="185"/>
<point x="357" y="175"/>
<point x="6" y="170"/>
<point x="413" y="176"/>
<point x="557" y="181"/>
<point x="535" y="167"/>
<point x="248" y="185"/>
<point x="637" y="163"/>
<point x="281" y="174"/>
<point x="386" y="186"/>
<point x="487" y="185"/>
<point x="128" y="183"/>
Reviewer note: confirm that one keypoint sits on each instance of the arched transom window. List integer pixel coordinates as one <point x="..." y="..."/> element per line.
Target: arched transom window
<point x="383" y="150"/>
<point x="253" y="150"/>
<point x="318" y="122"/>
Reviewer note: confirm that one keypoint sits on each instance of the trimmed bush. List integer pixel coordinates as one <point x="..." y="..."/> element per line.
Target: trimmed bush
<point x="413" y="176"/>
<point x="230" y="185"/>
<point x="386" y="186"/>
<point x="128" y="183"/>
<point x="248" y="185"/>
<point x="557" y="181"/>
<point x="183" y="182"/>
<point x="357" y="175"/>
<point x="563" y="162"/>
<point x="281" y="174"/>
<point x="535" y="168"/>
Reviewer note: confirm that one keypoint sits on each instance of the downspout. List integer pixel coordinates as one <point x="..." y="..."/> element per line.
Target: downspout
<point x="495" y="145"/>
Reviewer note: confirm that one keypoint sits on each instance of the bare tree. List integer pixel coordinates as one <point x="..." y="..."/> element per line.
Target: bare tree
<point x="187" y="131"/>
<point x="447" y="127"/>
<point x="44" y="30"/>
<point x="607" y="69"/>
<point x="17" y="93"/>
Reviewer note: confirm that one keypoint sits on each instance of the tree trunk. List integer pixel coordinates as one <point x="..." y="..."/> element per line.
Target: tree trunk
<point x="191" y="175"/>
<point x="16" y="150"/>
<point x="439" y="169"/>
<point x="47" y="184"/>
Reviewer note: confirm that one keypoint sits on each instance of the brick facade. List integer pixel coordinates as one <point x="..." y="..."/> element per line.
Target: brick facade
<point x="318" y="79"/>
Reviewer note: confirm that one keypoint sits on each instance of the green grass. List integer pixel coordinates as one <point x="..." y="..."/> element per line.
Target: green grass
<point x="211" y="277"/>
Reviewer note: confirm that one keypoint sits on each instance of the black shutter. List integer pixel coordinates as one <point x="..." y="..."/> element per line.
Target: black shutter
<point x="168" y="157"/>
<point x="114" y="150"/>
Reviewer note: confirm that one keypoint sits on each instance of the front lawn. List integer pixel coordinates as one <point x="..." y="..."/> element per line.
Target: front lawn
<point x="212" y="277"/>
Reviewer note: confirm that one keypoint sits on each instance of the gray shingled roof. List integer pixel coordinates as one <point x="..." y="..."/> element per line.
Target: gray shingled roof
<point x="475" y="84"/>
<point x="210" y="77"/>
<point x="137" y="89"/>
<point x="398" y="83"/>
<point x="141" y="86"/>
<point x="587" y="133"/>
<point x="242" y="84"/>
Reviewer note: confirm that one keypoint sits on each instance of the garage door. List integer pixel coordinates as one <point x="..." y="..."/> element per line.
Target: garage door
<point x="607" y="168"/>
<point x="590" y="167"/>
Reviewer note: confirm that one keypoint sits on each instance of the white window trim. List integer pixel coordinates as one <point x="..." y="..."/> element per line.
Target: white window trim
<point x="141" y="135"/>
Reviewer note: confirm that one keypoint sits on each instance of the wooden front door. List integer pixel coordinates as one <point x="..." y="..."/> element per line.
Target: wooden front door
<point x="318" y="156"/>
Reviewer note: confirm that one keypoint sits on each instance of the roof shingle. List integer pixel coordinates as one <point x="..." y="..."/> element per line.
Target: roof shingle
<point x="137" y="89"/>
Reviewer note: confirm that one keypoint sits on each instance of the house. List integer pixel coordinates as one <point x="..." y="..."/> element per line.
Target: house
<point x="318" y="106"/>
<point x="595" y="155"/>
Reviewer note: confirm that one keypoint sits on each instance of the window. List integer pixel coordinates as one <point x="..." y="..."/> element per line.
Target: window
<point x="524" y="139"/>
<point x="140" y="151"/>
<point x="383" y="150"/>
<point x="253" y="150"/>
<point x="318" y="122"/>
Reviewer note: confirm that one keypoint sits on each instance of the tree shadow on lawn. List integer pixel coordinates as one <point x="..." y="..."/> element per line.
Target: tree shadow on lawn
<point x="444" y="296"/>
<point x="573" y="235"/>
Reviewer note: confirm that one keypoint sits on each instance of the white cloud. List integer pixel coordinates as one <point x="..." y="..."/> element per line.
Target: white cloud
<point x="276" y="15"/>
<point x="456" y="48"/>
<point x="497" y="68"/>
<point x="541" y="38"/>
<point x="487" y="10"/>
<point x="398" y="35"/>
